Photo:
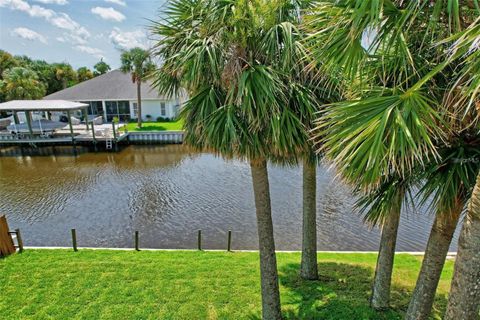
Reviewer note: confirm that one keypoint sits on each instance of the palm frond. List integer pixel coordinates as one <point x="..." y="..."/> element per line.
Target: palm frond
<point x="377" y="136"/>
<point x="388" y="198"/>
<point x="451" y="180"/>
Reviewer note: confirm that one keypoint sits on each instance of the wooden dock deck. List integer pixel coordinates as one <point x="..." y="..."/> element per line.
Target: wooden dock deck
<point x="100" y="134"/>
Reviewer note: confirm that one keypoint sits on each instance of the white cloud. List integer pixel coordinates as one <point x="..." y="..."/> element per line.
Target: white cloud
<point x="91" y="51"/>
<point x="119" y="2"/>
<point x="40" y="12"/>
<point x="76" y="32"/>
<point x="128" y="39"/>
<point x="59" y="2"/>
<point x="63" y="21"/>
<point x="108" y="14"/>
<point x="15" y="4"/>
<point x="29" y="34"/>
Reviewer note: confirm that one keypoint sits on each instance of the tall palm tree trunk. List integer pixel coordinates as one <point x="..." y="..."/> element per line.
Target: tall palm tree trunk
<point x="308" y="269"/>
<point x="383" y="272"/>
<point x="268" y="261"/>
<point x="464" y="298"/>
<point x="139" y="103"/>
<point x="435" y="255"/>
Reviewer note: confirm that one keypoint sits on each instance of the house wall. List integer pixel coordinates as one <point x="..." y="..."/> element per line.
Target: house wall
<point x="149" y="107"/>
<point x="154" y="109"/>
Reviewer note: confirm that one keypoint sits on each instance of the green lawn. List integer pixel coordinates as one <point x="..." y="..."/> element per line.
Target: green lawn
<point x="157" y="126"/>
<point x="90" y="284"/>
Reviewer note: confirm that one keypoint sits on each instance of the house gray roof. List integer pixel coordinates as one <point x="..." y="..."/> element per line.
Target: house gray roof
<point x="114" y="85"/>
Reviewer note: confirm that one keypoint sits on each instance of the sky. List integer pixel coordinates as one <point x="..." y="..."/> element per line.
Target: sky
<point x="79" y="32"/>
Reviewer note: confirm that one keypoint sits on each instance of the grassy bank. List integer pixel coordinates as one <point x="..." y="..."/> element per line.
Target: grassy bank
<point x="90" y="284"/>
<point x="157" y="126"/>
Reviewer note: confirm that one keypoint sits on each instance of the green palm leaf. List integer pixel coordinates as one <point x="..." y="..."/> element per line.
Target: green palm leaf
<point x="380" y="135"/>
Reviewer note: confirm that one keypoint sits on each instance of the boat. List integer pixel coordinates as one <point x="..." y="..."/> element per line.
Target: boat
<point x="38" y="126"/>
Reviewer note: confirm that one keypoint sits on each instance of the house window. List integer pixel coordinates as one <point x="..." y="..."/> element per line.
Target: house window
<point x="119" y="109"/>
<point x="176" y="110"/>
<point x="135" y="110"/>
<point x="95" y="107"/>
<point x="163" y="109"/>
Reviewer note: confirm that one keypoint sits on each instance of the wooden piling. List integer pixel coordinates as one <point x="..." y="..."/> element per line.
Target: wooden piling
<point x="6" y="243"/>
<point x="229" y="241"/>
<point x="199" y="239"/>
<point x="137" y="247"/>
<point x="19" y="241"/>
<point x="93" y="132"/>
<point x="85" y="116"/>
<point x="28" y="115"/>
<point x="74" y="240"/>
<point x="114" y="131"/>
<point x="72" y="134"/>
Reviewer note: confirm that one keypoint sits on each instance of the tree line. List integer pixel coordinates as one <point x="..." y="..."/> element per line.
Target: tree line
<point x="22" y="77"/>
<point x="387" y="91"/>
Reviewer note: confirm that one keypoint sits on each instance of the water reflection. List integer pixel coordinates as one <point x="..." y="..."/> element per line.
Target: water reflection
<point x="168" y="193"/>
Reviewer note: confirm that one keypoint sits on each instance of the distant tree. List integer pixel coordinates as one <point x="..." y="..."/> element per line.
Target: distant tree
<point x="84" y="74"/>
<point x="47" y="74"/>
<point x="101" y="67"/>
<point x="23" y="61"/>
<point x="7" y="61"/>
<point x="65" y="74"/>
<point x="21" y="84"/>
<point x="137" y="61"/>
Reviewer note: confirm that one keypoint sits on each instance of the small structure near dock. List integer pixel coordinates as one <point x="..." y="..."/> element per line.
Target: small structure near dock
<point x="44" y="130"/>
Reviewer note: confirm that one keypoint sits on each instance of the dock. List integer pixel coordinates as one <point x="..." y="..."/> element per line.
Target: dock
<point x="107" y="133"/>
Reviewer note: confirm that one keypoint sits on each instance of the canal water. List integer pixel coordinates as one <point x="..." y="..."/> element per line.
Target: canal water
<point x="167" y="193"/>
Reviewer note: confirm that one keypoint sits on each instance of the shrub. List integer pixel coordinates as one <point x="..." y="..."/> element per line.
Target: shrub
<point x="162" y="119"/>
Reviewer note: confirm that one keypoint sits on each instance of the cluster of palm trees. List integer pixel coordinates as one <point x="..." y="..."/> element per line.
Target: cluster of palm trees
<point x="24" y="78"/>
<point x="386" y="90"/>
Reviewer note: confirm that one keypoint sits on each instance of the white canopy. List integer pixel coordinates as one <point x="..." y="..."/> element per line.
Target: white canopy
<point x="41" y="105"/>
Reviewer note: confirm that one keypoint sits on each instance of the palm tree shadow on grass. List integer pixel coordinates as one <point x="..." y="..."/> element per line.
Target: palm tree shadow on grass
<point x="342" y="292"/>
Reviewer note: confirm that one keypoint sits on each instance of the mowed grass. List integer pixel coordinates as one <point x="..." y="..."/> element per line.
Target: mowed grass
<point x="91" y="284"/>
<point x="157" y="126"/>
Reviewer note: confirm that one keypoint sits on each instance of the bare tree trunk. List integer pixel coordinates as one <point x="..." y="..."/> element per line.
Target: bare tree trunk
<point x="435" y="255"/>
<point x="268" y="261"/>
<point x="139" y="103"/>
<point x="383" y="272"/>
<point x="308" y="269"/>
<point x="464" y="298"/>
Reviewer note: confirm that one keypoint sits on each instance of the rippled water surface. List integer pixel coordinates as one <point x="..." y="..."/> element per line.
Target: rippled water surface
<point x="167" y="194"/>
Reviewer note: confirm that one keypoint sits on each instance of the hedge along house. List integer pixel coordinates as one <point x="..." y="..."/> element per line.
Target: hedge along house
<point x="113" y="94"/>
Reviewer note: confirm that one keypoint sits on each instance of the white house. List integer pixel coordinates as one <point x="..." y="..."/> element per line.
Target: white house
<point x="113" y="94"/>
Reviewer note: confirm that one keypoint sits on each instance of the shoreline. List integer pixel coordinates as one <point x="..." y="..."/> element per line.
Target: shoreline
<point x="414" y="253"/>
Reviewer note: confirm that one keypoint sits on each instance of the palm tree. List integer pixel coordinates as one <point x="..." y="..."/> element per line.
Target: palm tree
<point x="320" y="91"/>
<point x="65" y="74"/>
<point x="308" y="266"/>
<point x="138" y="63"/>
<point x="21" y="84"/>
<point x="382" y="207"/>
<point x="231" y="57"/>
<point x="463" y="302"/>
<point x="397" y="121"/>
<point x="101" y="67"/>
<point x="464" y="298"/>
<point x="84" y="74"/>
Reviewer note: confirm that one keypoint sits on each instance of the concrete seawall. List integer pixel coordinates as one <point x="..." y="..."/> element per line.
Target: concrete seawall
<point x="155" y="137"/>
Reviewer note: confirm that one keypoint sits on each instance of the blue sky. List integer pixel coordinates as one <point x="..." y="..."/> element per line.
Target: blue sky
<point x="79" y="32"/>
